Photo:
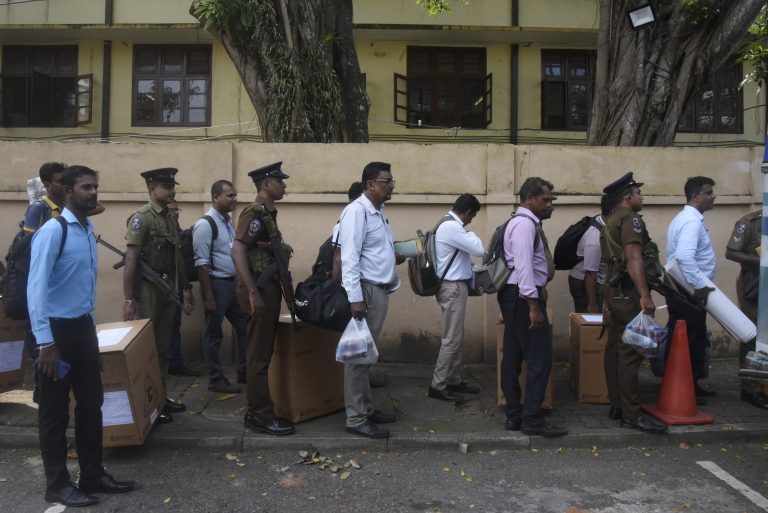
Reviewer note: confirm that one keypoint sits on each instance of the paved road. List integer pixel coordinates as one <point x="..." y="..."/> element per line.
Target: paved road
<point x="626" y="480"/>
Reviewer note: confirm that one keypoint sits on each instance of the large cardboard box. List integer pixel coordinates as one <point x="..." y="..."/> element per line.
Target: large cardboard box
<point x="12" y="359"/>
<point x="134" y="393"/>
<point x="305" y="380"/>
<point x="501" y="400"/>
<point x="587" y="352"/>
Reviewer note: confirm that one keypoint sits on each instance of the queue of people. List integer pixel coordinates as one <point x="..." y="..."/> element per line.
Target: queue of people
<point x="240" y="269"/>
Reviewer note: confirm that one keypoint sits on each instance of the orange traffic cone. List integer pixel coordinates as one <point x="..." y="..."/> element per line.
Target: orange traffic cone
<point x="677" y="400"/>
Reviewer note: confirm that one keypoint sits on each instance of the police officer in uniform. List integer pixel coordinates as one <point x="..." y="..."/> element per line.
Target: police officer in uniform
<point x="154" y="235"/>
<point x="258" y="292"/>
<point x="622" y="242"/>
<point x="742" y="248"/>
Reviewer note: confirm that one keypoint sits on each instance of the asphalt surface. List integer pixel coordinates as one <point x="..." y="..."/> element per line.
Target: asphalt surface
<point x="631" y="479"/>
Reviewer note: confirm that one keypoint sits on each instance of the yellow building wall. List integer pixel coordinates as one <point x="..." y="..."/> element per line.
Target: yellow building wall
<point x="380" y="60"/>
<point x="152" y="11"/>
<point x="580" y="14"/>
<point x="53" y="12"/>
<point x="407" y="12"/>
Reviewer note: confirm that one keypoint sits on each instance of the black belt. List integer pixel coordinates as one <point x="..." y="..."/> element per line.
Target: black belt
<point x="227" y="278"/>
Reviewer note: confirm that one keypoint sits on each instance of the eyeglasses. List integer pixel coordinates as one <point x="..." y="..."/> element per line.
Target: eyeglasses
<point x="387" y="181"/>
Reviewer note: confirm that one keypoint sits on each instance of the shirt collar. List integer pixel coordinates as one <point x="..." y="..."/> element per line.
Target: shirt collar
<point x="71" y="219"/>
<point x="363" y="199"/>
<point x="693" y="211"/>
<point x="224" y="217"/>
<point x="156" y="207"/>
<point x="453" y="215"/>
<point x="523" y="210"/>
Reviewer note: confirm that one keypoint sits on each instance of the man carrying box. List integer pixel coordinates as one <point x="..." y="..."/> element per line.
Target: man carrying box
<point x="61" y="294"/>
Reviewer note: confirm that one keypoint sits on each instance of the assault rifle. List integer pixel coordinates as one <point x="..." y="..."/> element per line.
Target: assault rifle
<point x="148" y="274"/>
<point x="659" y="284"/>
<point x="280" y="266"/>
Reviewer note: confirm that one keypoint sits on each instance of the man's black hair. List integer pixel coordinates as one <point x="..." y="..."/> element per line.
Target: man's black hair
<point x="372" y="170"/>
<point x="70" y="175"/>
<point x="534" y="186"/>
<point x="694" y="185"/>
<point x="49" y="169"/>
<point x="466" y="203"/>
<point x="355" y="191"/>
<point x="218" y="187"/>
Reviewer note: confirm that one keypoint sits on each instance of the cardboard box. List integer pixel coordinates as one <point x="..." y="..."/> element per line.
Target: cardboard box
<point x="501" y="400"/>
<point x="587" y="353"/>
<point x="305" y="380"/>
<point x="12" y="360"/>
<point x="134" y="393"/>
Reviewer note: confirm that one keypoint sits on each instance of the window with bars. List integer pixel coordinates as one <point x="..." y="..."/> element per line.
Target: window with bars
<point x="171" y="85"/>
<point x="445" y="87"/>
<point x="716" y="106"/>
<point x="567" y="86"/>
<point x="40" y="87"/>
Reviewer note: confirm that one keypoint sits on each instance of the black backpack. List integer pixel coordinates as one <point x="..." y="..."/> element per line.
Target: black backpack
<point x="188" y="249"/>
<point x="17" y="272"/>
<point x="565" y="250"/>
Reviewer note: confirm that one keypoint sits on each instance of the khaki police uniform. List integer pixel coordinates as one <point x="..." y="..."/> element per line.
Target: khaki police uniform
<point x="745" y="238"/>
<point x="155" y="230"/>
<point x="622" y="362"/>
<point x="251" y="229"/>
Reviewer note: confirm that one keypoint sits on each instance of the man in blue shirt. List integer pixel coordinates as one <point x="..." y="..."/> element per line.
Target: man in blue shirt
<point x="689" y="243"/>
<point x="216" y="272"/>
<point x="61" y="294"/>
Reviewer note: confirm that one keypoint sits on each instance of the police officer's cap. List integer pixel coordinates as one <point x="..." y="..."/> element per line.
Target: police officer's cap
<point x="272" y="170"/>
<point x="164" y="175"/>
<point x="622" y="184"/>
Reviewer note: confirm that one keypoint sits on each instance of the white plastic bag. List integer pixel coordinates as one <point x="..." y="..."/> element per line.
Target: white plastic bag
<point x="356" y="345"/>
<point x="644" y="335"/>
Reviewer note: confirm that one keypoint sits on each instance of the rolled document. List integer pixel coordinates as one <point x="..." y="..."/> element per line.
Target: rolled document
<point x="725" y="312"/>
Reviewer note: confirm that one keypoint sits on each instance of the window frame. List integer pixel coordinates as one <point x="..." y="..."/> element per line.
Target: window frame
<point x="457" y="80"/>
<point x="55" y="84"/>
<point x="182" y="76"/>
<point x="689" y="118"/>
<point x="590" y="57"/>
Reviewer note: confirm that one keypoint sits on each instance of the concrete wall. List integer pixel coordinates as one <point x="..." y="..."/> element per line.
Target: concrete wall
<point x="428" y="180"/>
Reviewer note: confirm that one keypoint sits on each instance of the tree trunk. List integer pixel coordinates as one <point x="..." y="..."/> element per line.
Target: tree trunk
<point x="299" y="66"/>
<point x="645" y="77"/>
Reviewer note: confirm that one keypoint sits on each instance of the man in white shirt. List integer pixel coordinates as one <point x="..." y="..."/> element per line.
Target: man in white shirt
<point x="586" y="279"/>
<point x="689" y="243"/>
<point x="368" y="275"/>
<point x="454" y="246"/>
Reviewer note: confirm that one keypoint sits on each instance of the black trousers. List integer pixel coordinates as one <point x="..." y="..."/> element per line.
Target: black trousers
<point x="79" y="347"/>
<point x="696" y="324"/>
<point x="522" y="344"/>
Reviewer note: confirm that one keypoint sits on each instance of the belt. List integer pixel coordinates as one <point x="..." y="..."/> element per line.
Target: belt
<point x="225" y="278"/>
<point x="385" y="286"/>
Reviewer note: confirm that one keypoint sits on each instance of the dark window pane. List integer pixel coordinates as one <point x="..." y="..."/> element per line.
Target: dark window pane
<point x="578" y="106"/>
<point x="65" y="61"/>
<point x="578" y="65"/>
<point x="553" y="106"/>
<point x="145" y="101"/>
<point x="171" y="101"/>
<point x="146" y="60"/>
<point x="16" y="100"/>
<point x="41" y="60"/>
<point x="173" y="60"/>
<point x="196" y="93"/>
<point x="704" y="111"/>
<point x="446" y="61"/>
<point x="729" y="110"/>
<point x="64" y="101"/>
<point x="199" y="62"/>
<point x="418" y="62"/>
<point x="553" y="67"/>
<point x="15" y="61"/>
<point x="472" y="103"/>
<point x="473" y="63"/>
<point x="420" y="102"/>
<point x="446" y="101"/>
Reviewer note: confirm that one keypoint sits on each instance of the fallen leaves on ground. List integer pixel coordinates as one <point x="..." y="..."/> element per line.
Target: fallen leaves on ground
<point x="167" y="500"/>
<point x="684" y="445"/>
<point x="226" y="397"/>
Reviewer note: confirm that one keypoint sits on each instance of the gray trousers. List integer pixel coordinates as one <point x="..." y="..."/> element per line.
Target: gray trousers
<point x="358" y="399"/>
<point x="452" y="298"/>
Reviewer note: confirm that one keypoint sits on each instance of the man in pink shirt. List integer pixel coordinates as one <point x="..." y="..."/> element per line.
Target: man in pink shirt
<point x="523" y="303"/>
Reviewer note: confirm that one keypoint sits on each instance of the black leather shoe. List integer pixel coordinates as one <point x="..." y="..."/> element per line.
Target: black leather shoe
<point x="70" y="496"/>
<point x="463" y="388"/>
<point x="368" y="430"/>
<point x="172" y="406"/>
<point x="546" y="430"/>
<point x="164" y="418"/>
<point x="512" y="424"/>
<point x="704" y="391"/>
<point x="377" y="379"/>
<point x="106" y="484"/>
<point x="445" y="395"/>
<point x="379" y="417"/>
<point x="275" y="427"/>
<point x="615" y="413"/>
<point x="758" y="400"/>
<point x="645" y="424"/>
<point x="182" y="370"/>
